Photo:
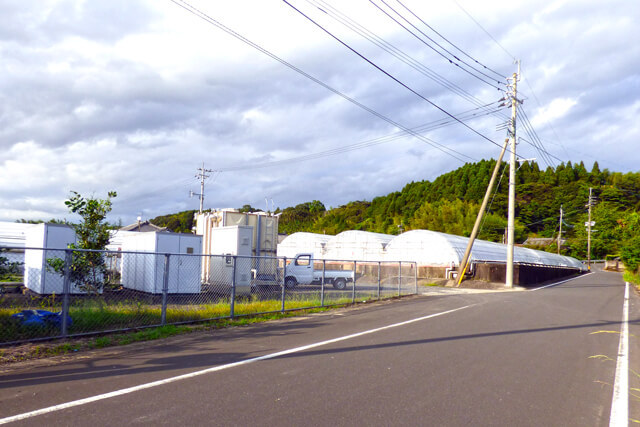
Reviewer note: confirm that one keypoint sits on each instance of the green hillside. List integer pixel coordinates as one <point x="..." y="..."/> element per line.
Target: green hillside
<point x="450" y="204"/>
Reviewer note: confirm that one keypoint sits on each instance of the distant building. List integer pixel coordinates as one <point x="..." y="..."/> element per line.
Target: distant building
<point x="143" y="227"/>
<point x="542" y="241"/>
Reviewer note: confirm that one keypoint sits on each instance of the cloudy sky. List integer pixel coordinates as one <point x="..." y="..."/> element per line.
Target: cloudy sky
<point x="135" y="95"/>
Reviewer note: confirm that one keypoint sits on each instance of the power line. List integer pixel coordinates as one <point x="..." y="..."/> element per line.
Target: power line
<point x="451" y="43"/>
<point x="534" y="136"/>
<point x="436" y="43"/>
<point x="449" y="151"/>
<point x="370" y="62"/>
<point x="393" y="50"/>
<point x="357" y="146"/>
<point x="526" y="80"/>
<point x="485" y="31"/>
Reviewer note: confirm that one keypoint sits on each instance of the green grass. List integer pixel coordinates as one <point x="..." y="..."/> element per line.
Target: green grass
<point x="36" y="351"/>
<point x="630" y="277"/>
<point x="96" y="315"/>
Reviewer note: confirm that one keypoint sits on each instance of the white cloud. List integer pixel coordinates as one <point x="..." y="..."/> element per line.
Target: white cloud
<point x="556" y="109"/>
<point x="134" y="96"/>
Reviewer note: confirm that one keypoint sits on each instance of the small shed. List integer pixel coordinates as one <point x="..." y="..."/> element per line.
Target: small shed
<point x="45" y="242"/>
<point x="143" y="262"/>
<point x="227" y="242"/>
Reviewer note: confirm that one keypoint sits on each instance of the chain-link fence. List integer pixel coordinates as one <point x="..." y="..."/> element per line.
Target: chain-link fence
<point x="64" y="292"/>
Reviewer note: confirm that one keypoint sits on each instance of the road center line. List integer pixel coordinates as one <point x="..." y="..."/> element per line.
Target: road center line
<point x="620" y="401"/>
<point x="212" y="369"/>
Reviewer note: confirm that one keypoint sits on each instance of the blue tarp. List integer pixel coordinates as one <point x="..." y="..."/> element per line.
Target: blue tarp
<point x="42" y="318"/>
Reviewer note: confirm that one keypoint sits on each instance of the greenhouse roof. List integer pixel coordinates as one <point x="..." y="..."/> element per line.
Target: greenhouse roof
<point x="435" y="248"/>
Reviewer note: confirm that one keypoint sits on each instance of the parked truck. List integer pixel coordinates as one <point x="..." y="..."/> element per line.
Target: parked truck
<point x="301" y="271"/>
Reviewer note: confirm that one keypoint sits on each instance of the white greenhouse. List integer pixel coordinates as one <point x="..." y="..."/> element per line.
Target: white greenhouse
<point x="432" y="248"/>
<point x="426" y="248"/>
<point x="302" y="242"/>
<point x="358" y="246"/>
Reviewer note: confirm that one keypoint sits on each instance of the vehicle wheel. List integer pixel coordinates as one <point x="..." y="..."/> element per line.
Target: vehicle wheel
<point x="340" y="284"/>
<point x="290" y="283"/>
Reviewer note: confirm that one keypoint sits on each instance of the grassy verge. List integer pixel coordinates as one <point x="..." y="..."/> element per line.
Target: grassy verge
<point x="630" y="277"/>
<point x="68" y="346"/>
<point x="97" y="315"/>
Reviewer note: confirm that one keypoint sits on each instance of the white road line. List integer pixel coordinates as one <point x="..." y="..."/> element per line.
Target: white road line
<point x="213" y="369"/>
<point x="560" y="283"/>
<point x="620" y="402"/>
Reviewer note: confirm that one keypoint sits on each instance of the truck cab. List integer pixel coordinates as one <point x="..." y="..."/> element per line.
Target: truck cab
<point x="301" y="272"/>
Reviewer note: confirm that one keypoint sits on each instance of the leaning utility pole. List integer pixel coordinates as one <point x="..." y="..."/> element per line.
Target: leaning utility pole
<point x="512" y="180"/>
<point x="560" y="232"/>
<point x="464" y="263"/>
<point x="201" y="175"/>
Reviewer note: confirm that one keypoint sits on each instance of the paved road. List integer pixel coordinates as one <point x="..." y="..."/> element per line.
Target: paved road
<point x="546" y="357"/>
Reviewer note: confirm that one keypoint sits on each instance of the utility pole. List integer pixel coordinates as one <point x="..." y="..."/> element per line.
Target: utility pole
<point x="560" y="232"/>
<point x="464" y="263"/>
<point x="512" y="180"/>
<point x="201" y="175"/>
<point x="589" y="224"/>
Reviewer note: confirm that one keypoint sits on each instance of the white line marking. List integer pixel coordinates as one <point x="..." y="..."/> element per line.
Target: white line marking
<point x="620" y="402"/>
<point x="560" y="283"/>
<point x="209" y="370"/>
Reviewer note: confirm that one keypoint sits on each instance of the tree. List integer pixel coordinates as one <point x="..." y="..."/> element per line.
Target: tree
<point x="9" y="270"/>
<point x="88" y="270"/>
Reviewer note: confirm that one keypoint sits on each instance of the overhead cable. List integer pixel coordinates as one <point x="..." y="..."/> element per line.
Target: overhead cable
<point x="437" y="44"/>
<point x="370" y="62"/>
<point x="535" y="137"/>
<point x="470" y="115"/>
<point x="485" y="31"/>
<point x="447" y="150"/>
<point x="451" y="43"/>
<point x="394" y="50"/>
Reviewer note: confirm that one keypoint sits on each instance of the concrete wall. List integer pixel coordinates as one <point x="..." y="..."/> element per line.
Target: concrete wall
<point x="523" y="274"/>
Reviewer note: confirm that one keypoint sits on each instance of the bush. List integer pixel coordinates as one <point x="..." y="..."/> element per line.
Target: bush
<point x="630" y="253"/>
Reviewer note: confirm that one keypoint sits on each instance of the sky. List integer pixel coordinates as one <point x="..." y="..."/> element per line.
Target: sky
<point x="135" y="95"/>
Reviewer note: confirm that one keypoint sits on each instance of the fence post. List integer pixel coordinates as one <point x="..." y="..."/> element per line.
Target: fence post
<point x="284" y="280"/>
<point x="324" y="269"/>
<point x="165" y="289"/>
<point x="232" y="302"/>
<point x="66" y="285"/>
<point x="415" y="276"/>
<point x="353" y="292"/>
<point x="379" y="283"/>
<point x="399" y="278"/>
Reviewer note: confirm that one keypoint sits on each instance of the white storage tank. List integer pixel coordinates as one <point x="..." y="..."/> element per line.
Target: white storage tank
<point x="54" y="239"/>
<point x="226" y="242"/>
<point x="143" y="262"/>
<point x="264" y="225"/>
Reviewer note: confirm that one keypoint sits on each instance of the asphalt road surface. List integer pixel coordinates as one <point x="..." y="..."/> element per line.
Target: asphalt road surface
<point x="532" y="358"/>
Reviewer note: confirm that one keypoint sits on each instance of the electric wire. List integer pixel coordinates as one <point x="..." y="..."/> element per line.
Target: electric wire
<point x="370" y="62"/>
<point x="451" y="43"/>
<point x="485" y="31"/>
<point x="534" y="136"/>
<point x="437" y="44"/>
<point x="395" y="51"/>
<point x="526" y="80"/>
<point x="357" y="146"/>
<point x="447" y="150"/>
